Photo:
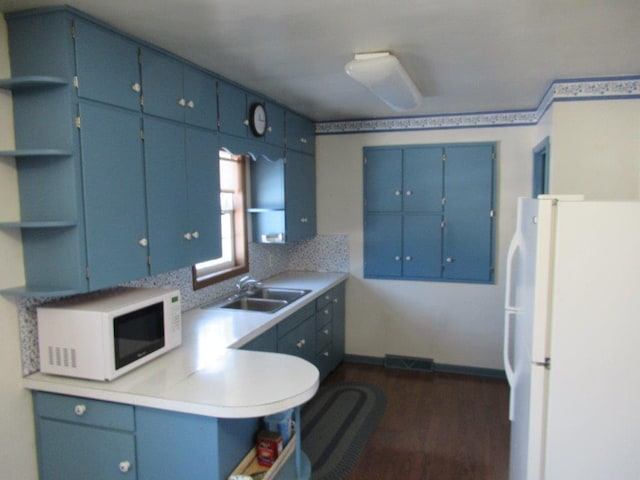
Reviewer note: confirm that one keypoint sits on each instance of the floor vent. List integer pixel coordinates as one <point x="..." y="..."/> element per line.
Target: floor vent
<point x="408" y="363"/>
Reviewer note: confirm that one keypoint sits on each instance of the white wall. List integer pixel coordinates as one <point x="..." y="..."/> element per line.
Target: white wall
<point x="458" y="324"/>
<point x="17" y="442"/>
<point x="595" y="148"/>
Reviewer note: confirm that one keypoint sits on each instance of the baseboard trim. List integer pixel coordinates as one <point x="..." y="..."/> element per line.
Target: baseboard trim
<point x="436" y="367"/>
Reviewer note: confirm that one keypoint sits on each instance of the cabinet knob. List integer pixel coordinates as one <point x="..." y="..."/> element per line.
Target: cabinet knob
<point x="409" y="193"/>
<point x="326" y="331"/>
<point x="408" y="258"/>
<point x="80" y="409"/>
<point x="187" y="236"/>
<point x="303" y="140"/>
<point x="143" y="242"/>
<point x="246" y="123"/>
<point x="397" y="193"/>
<point x="397" y="258"/>
<point x="269" y="129"/>
<point x="191" y="104"/>
<point x="136" y="87"/>
<point x="182" y="102"/>
<point x="326" y="311"/>
<point x="124" y="466"/>
<point x="325" y="354"/>
<point x="336" y="301"/>
<point x="304" y="220"/>
<point x="195" y="234"/>
<point x="300" y="344"/>
<point x="450" y="260"/>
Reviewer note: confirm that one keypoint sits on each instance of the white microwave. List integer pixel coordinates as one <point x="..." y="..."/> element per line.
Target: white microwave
<point x="102" y="336"/>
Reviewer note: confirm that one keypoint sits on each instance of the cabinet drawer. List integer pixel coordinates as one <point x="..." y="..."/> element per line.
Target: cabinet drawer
<point x="300" y="341"/>
<point x="323" y="300"/>
<point x="84" y="411"/>
<point x="295" y="319"/>
<point x="324" y="336"/>
<point x="324" y="315"/>
<point x="324" y="361"/>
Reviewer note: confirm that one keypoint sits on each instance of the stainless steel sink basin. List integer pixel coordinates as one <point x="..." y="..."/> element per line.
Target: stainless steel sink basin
<point x="266" y="299"/>
<point x="256" y="304"/>
<point x="273" y="293"/>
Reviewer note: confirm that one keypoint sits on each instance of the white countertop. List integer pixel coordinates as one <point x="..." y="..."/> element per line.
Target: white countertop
<point x="206" y="375"/>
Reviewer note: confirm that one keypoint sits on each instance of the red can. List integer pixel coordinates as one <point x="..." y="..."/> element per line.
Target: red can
<point x="269" y="446"/>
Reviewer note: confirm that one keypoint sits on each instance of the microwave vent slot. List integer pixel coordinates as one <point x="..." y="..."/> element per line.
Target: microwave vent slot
<point x="62" y="357"/>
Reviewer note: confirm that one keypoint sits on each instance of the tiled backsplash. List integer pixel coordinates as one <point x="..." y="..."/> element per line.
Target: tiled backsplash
<point x="324" y="253"/>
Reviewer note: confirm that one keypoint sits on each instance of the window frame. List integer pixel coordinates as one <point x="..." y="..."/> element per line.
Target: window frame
<point x="241" y="236"/>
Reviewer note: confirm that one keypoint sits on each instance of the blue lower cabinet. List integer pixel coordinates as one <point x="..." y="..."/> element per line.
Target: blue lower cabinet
<point x="82" y="439"/>
<point x="173" y="445"/>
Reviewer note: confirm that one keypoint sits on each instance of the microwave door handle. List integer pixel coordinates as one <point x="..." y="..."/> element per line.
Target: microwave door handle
<point x="509" y="312"/>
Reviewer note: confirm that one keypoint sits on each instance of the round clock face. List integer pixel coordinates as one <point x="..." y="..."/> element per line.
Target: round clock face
<point x="258" y="119"/>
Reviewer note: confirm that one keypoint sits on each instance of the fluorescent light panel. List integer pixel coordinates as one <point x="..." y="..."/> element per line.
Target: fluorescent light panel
<point x="383" y="75"/>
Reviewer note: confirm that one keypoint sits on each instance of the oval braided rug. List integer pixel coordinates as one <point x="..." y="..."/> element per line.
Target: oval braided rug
<point x="336" y="425"/>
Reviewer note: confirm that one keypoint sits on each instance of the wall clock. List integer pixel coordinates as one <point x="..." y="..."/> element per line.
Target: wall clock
<point x="258" y="119"/>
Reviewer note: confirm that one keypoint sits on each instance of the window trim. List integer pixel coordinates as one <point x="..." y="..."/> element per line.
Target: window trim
<point x="241" y="241"/>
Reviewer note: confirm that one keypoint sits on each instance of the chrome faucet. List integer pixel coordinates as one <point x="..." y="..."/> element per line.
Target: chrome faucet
<point x="247" y="284"/>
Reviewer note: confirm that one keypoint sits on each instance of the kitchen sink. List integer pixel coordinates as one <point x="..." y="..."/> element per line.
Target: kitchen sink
<point x="265" y="299"/>
<point x="256" y="304"/>
<point x="272" y="293"/>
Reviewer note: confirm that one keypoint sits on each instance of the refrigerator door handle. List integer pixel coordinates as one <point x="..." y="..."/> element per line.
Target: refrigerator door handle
<point x="509" y="311"/>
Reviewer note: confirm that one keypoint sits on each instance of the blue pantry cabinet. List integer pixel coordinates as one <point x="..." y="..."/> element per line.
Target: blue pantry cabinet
<point x="428" y="212"/>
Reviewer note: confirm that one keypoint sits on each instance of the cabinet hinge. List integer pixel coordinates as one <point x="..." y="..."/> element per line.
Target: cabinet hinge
<point x="443" y="224"/>
<point x="491" y="214"/>
<point x="75" y="81"/>
<point x="86" y="272"/>
<point x="73" y="31"/>
<point x="142" y="100"/>
<point x="78" y="123"/>
<point x="444" y="156"/>
<point x="444" y="201"/>
<point x="149" y="260"/>
<point x="142" y="134"/>
<point x="365" y="160"/>
<point x="493" y="155"/>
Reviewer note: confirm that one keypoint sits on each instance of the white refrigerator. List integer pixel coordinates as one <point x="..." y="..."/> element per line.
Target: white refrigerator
<point x="572" y="340"/>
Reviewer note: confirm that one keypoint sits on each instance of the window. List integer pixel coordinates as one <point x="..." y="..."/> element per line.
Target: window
<point x="235" y="257"/>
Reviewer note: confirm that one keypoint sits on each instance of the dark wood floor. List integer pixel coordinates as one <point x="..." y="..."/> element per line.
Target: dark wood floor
<point x="435" y="426"/>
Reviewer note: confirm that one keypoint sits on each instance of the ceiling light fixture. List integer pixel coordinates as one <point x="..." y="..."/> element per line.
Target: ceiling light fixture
<point x="383" y="74"/>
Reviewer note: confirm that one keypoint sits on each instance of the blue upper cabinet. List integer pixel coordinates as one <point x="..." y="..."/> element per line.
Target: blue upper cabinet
<point x="107" y="66"/>
<point x="232" y="110"/>
<point x="300" y="196"/>
<point x="300" y="133"/>
<point x="174" y="90"/>
<point x="428" y="212"/>
<point x="275" y="124"/>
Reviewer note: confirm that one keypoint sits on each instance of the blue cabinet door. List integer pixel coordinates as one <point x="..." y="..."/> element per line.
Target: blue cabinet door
<point x="300" y="196"/>
<point x="383" y="245"/>
<point x="300" y="341"/>
<point x="166" y="194"/>
<point x="201" y="102"/>
<point x="468" y="239"/>
<point x="114" y="195"/>
<point x="300" y="133"/>
<point x="422" y="248"/>
<point x="232" y="110"/>
<point x="275" y="125"/>
<point x="162" y="86"/>
<point x="338" y="298"/>
<point x="78" y="452"/>
<point x="203" y="194"/>
<point x="107" y="66"/>
<point x="383" y="191"/>
<point x="422" y="179"/>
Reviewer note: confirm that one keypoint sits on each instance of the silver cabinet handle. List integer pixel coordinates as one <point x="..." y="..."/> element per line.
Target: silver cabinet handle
<point x="303" y="140"/>
<point x="195" y="234"/>
<point x="326" y="331"/>
<point x="245" y="123"/>
<point x="409" y="193"/>
<point x="182" y="102"/>
<point x="325" y="354"/>
<point x="450" y="260"/>
<point x="124" y="466"/>
<point x="143" y="242"/>
<point x="300" y="343"/>
<point x="397" y="193"/>
<point x="397" y="258"/>
<point x="187" y="236"/>
<point x="80" y="409"/>
<point x="335" y="300"/>
<point x="136" y="87"/>
<point x="408" y="258"/>
<point x="191" y="104"/>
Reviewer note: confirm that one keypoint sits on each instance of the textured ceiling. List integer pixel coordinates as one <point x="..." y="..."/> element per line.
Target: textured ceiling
<point x="464" y="55"/>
